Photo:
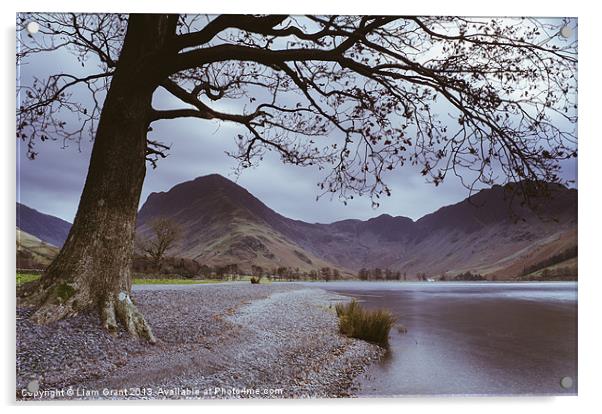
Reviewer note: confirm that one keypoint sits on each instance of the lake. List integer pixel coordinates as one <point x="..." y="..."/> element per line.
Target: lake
<point x="472" y="338"/>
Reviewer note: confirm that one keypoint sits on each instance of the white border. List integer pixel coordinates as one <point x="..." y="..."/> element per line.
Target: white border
<point x="590" y="153"/>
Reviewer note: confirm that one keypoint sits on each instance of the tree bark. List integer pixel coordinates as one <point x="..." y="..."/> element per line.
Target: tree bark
<point x="93" y="267"/>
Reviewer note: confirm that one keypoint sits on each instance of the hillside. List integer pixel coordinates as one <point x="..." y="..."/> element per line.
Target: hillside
<point x="45" y="227"/>
<point x="33" y="253"/>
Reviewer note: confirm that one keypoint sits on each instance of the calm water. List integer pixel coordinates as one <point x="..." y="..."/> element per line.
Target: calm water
<point x="472" y="338"/>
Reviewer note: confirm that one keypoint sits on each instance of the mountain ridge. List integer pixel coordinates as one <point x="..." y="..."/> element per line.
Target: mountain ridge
<point x="244" y="226"/>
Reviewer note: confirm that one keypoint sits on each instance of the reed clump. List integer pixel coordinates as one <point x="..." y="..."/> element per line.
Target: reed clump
<point x="370" y="325"/>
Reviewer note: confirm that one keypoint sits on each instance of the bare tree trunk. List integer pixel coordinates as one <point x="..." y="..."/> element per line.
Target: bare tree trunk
<point x="93" y="268"/>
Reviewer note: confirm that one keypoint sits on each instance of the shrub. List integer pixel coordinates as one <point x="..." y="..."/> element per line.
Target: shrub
<point x="369" y="325"/>
<point x="255" y="280"/>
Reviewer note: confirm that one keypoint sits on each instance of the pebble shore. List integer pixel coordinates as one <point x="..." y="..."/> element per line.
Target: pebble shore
<point x="215" y="341"/>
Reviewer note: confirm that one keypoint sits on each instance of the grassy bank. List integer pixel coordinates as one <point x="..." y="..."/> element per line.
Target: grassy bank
<point x="174" y="281"/>
<point x="28" y="277"/>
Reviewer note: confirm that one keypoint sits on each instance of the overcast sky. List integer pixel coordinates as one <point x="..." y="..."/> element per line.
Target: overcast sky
<point x="53" y="182"/>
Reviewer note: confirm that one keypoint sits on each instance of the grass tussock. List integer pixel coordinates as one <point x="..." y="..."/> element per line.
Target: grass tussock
<point x="255" y="280"/>
<point x="369" y="325"/>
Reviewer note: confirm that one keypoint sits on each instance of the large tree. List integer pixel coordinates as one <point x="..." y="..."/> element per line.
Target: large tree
<point x="489" y="100"/>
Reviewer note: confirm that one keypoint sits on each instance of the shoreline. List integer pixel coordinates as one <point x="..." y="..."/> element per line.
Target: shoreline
<point x="416" y="282"/>
<point x="215" y="341"/>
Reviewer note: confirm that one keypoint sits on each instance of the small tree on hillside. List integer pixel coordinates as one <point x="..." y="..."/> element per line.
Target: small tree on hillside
<point x="336" y="274"/>
<point x="325" y="273"/>
<point x="165" y="235"/>
<point x="257" y="271"/>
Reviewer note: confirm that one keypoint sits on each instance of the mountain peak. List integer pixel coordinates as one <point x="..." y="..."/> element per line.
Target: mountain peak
<point x="384" y="218"/>
<point x="211" y="192"/>
<point x="213" y="177"/>
<point x="201" y="182"/>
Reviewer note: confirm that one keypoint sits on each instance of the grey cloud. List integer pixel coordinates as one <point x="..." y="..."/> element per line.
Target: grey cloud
<point x="54" y="181"/>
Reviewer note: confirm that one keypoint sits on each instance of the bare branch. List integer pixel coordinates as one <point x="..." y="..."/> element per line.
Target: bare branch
<point x="487" y="100"/>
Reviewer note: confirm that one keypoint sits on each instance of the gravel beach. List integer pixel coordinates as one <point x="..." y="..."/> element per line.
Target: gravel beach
<point x="215" y="341"/>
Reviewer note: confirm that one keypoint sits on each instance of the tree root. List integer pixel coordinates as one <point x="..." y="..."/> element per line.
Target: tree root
<point x="60" y="301"/>
<point x="54" y="302"/>
<point x="120" y="308"/>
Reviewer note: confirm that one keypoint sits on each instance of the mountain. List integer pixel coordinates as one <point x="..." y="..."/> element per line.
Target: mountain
<point x="223" y="223"/>
<point x="47" y="228"/>
<point x="490" y="233"/>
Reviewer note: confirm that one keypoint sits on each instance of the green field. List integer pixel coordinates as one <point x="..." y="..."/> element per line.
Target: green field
<point x="27" y="277"/>
<point x="174" y="281"/>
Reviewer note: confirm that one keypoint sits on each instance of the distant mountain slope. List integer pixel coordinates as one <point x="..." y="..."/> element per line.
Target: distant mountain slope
<point x="45" y="227"/>
<point x="33" y="253"/>
<point x="491" y="233"/>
